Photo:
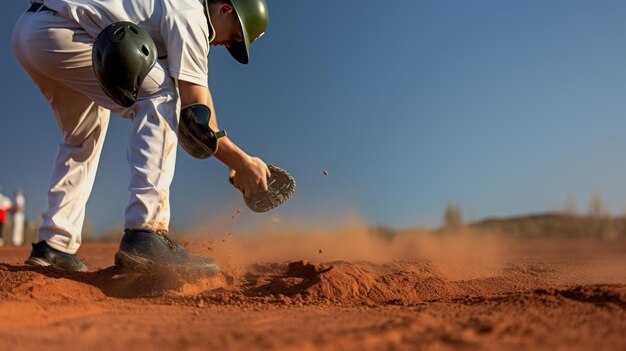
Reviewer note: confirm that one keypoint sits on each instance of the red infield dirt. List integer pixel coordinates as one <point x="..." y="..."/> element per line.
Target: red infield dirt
<point x="329" y="291"/>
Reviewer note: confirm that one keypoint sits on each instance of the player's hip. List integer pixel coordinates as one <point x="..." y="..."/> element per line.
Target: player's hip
<point x="44" y="39"/>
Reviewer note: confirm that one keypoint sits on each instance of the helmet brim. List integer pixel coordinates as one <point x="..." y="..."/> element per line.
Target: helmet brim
<point x="240" y="50"/>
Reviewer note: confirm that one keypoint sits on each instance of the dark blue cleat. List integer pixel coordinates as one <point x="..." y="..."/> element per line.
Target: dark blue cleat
<point x="141" y="249"/>
<point x="44" y="255"/>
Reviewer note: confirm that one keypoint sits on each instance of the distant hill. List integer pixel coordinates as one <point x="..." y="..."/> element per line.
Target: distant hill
<point x="555" y="225"/>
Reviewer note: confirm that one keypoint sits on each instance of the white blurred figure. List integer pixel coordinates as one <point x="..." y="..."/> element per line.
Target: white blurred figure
<point x="18" y="218"/>
<point x="5" y="206"/>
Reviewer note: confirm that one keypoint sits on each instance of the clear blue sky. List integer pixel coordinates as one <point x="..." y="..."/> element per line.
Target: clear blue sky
<point x="504" y="107"/>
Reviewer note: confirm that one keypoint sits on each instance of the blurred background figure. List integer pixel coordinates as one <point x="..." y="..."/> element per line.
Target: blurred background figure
<point x="5" y="206"/>
<point x="18" y="218"/>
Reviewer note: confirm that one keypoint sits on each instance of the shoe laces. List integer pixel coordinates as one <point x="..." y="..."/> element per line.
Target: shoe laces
<point x="170" y="242"/>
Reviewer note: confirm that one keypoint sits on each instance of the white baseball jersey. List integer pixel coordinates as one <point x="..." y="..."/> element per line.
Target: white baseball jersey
<point x="180" y="29"/>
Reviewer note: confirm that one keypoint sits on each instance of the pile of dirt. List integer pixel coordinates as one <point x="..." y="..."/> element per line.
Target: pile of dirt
<point x="44" y="284"/>
<point x="346" y="283"/>
<point x="49" y="285"/>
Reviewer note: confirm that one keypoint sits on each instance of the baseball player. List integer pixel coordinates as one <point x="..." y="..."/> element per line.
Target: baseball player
<point x="5" y="206"/>
<point x="54" y="41"/>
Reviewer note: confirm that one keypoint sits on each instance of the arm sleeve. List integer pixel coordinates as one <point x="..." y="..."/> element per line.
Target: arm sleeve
<point x="186" y="36"/>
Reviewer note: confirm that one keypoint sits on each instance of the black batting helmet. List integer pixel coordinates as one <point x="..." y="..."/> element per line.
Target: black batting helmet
<point x="123" y="55"/>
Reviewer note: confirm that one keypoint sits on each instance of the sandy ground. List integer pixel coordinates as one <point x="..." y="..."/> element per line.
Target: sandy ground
<point x="455" y="293"/>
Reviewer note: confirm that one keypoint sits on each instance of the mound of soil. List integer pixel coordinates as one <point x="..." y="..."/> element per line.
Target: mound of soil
<point x="399" y="283"/>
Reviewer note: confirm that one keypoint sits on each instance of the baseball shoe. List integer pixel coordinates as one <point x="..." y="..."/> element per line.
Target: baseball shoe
<point x="44" y="255"/>
<point x="142" y="249"/>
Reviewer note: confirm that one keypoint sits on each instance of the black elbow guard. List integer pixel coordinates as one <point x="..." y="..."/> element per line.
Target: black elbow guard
<point x="194" y="133"/>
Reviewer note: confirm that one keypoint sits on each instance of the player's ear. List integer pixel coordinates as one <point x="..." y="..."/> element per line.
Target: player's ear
<point x="226" y="8"/>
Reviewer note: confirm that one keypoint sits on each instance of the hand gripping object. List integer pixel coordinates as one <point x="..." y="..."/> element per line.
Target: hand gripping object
<point x="281" y="186"/>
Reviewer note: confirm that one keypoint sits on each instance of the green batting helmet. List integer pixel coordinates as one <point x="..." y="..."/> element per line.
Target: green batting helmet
<point x="254" y="17"/>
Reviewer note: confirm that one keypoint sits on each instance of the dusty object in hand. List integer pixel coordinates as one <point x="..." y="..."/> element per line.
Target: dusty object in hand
<point x="281" y="186"/>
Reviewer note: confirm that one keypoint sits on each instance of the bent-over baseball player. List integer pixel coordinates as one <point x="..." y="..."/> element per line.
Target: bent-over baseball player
<point x="54" y="41"/>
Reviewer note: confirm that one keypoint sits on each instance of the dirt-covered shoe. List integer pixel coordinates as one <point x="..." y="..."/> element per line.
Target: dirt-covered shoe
<point x="44" y="255"/>
<point x="142" y="249"/>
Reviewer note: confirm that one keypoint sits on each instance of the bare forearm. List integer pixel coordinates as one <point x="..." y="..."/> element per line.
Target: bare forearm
<point x="231" y="155"/>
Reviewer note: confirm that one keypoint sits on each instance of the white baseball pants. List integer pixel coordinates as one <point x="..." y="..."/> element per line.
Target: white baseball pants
<point x="56" y="53"/>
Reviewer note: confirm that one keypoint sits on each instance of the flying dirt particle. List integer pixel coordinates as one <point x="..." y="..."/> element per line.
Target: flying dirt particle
<point x="320" y="251"/>
<point x="234" y="217"/>
<point x="325" y="173"/>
